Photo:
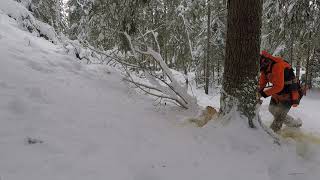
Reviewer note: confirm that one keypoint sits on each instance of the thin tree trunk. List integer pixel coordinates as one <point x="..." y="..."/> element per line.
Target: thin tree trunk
<point x="308" y="78"/>
<point x="207" y="63"/>
<point x="285" y="29"/>
<point x="312" y="68"/>
<point x="298" y="67"/>
<point x="291" y="48"/>
<point x="165" y="39"/>
<point x="242" y="57"/>
<point x="218" y="71"/>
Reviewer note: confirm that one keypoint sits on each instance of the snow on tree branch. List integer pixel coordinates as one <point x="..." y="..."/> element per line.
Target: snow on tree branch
<point x="169" y="89"/>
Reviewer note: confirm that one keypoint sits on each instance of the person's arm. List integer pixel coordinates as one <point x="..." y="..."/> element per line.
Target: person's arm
<point x="262" y="81"/>
<point x="277" y="81"/>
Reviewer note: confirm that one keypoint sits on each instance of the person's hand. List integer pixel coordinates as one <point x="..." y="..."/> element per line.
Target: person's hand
<point x="258" y="95"/>
<point x="263" y="94"/>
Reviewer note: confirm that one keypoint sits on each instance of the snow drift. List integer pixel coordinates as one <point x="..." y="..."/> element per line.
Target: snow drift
<point x="62" y="119"/>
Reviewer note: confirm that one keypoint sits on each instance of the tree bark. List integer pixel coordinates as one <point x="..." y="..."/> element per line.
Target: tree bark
<point x="242" y="57"/>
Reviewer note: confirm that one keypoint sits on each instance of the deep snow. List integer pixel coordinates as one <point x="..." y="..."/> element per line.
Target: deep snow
<point x="93" y="126"/>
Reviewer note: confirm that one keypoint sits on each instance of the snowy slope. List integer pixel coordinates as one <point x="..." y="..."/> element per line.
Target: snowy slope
<point x="92" y="126"/>
<point x="307" y="111"/>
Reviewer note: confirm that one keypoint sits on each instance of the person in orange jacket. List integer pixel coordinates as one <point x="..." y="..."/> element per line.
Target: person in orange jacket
<point x="277" y="80"/>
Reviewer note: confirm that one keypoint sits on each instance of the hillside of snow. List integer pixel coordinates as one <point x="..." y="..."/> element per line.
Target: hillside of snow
<point x="62" y="119"/>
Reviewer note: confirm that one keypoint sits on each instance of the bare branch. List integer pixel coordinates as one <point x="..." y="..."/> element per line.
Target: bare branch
<point x="114" y="58"/>
<point x="140" y="86"/>
<point x="156" y="40"/>
<point x="130" y="43"/>
<point x="143" y="85"/>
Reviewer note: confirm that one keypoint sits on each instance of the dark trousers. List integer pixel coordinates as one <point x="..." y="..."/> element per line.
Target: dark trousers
<point x="280" y="114"/>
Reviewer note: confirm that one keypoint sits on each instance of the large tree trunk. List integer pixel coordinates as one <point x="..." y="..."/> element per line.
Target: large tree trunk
<point x="242" y="57"/>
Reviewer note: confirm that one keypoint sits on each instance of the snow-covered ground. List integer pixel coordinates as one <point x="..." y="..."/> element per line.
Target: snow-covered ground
<point x="93" y="126"/>
<point x="308" y="111"/>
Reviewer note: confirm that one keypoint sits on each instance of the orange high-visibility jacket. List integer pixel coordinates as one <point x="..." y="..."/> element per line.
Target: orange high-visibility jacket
<point x="276" y="75"/>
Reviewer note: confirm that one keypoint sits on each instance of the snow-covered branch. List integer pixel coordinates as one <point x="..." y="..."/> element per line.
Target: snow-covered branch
<point x="170" y="88"/>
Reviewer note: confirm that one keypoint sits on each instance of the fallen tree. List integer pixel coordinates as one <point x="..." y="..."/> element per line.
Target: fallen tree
<point x="146" y="69"/>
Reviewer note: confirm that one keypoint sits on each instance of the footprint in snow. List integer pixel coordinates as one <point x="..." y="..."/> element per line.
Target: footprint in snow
<point x="18" y="106"/>
<point x="38" y="67"/>
<point x="4" y="85"/>
<point x="37" y="94"/>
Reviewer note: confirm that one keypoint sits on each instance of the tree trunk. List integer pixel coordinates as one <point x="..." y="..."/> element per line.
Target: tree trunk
<point x="298" y="67"/>
<point x="285" y="6"/>
<point x="308" y="78"/>
<point x="311" y="68"/>
<point x="165" y="39"/>
<point x="207" y="62"/>
<point x="218" y="71"/>
<point x="242" y="57"/>
<point x="291" y="60"/>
